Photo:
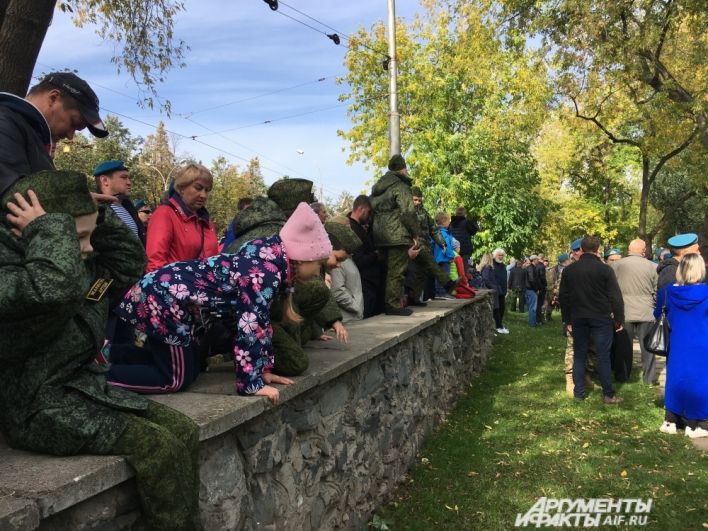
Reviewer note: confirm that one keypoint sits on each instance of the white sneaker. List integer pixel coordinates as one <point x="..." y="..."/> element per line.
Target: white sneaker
<point x="698" y="432"/>
<point x="668" y="427"/>
<point x="504" y="330"/>
<point x="500" y="330"/>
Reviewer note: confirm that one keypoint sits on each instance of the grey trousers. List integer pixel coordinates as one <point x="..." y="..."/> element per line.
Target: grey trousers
<point x="640" y="329"/>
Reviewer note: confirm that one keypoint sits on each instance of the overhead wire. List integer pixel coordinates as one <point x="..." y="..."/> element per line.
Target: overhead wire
<point x="344" y="35"/>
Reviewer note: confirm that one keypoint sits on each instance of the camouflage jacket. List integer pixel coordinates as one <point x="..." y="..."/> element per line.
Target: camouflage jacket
<point x="395" y="219"/>
<point x="53" y="395"/>
<point x="429" y="230"/>
<point x="262" y="219"/>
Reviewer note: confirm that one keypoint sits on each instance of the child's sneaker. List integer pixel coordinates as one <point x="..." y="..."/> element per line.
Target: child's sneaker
<point x="668" y="427"/>
<point x="696" y="433"/>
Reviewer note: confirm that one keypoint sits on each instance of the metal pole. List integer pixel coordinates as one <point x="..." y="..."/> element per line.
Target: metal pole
<point x="394" y="120"/>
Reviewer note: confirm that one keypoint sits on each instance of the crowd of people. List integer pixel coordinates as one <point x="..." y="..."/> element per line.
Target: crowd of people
<point x="116" y="300"/>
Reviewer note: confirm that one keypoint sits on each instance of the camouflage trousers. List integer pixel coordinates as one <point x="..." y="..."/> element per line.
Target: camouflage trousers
<point x="396" y="262"/>
<point x="162" y="445"/>
<point x="426" y="267"/>
<point x="568" y="361"/>
<point x="288" y="340"/>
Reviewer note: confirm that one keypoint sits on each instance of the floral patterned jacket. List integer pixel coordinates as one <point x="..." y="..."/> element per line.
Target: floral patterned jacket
<point x="166" y="303"/>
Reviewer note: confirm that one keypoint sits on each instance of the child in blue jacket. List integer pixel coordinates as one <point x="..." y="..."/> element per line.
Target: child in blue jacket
<point x="443" y="257"/>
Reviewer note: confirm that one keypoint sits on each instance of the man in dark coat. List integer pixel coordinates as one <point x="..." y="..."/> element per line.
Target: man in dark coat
<point x="366" y="258"/>
<point x="396" y="229"/>
<point x="55" y="108"/>
<point x="591" y="307"/>
<point x="542" y="288"/>
<point x="463" y="227"/>
<point x="681" y="245"/>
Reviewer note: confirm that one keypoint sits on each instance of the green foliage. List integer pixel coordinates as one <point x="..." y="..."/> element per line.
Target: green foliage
<point x="231" y="184"/>
<point x="469" y="111"/>
<point x="144" y="33"/>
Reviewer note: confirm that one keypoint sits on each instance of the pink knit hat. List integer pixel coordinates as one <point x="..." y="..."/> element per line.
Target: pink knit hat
<point x="304" y="236"/>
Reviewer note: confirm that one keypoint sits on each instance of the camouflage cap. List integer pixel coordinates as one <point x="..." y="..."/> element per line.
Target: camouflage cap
<point x="64" y="192"/>
<point x="289" y="193"/>
<point x="344" y="236"/>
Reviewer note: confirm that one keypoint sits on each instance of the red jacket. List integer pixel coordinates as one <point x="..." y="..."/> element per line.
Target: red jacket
<point x="174" y="235"/>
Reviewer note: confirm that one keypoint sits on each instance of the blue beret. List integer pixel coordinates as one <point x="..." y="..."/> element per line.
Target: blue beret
<point x="575" y="246"/>
<point x="613" y="251"/>
<point x="562" y="258"/>
<point x="108" y="166"/>
<point x="683" y="240"/>
<point x="140" y="203"/>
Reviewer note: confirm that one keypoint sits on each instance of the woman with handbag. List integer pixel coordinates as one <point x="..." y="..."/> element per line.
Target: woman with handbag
<point x="686" y="306"/>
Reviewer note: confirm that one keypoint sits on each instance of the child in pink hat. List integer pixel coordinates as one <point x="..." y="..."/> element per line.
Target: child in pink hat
<point x="169" y="304"/>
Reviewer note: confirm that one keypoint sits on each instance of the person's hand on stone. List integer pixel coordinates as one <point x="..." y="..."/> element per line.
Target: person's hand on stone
<point x="341" y="331"/>
<point x="23" y="213"/>
<point x="325" y="337"/>
<point x="271" y="393"/>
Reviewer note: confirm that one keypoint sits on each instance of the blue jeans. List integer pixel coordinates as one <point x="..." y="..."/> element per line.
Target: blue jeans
<point x="602" y="332"/>
<point x="531" y="300"/>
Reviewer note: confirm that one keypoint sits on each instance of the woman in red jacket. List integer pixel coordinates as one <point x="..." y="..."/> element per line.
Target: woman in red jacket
<point x="181" y="229"/>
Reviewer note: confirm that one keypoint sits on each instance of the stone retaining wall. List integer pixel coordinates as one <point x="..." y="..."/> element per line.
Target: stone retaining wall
<point x="342" y="438"/>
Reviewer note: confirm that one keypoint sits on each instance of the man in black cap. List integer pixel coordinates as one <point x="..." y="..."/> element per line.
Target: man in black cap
<point x="58" y="106"/>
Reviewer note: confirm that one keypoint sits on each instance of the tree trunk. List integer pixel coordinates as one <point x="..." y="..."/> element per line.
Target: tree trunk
<point x="644" y="204"/>
<point x="23" y="25"/>
<point x="703" y="238"/>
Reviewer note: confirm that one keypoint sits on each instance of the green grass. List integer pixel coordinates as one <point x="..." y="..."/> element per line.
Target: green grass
<point x="515" y="436"/>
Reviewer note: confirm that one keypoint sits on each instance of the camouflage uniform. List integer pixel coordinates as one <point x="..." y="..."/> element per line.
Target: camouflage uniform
<point x="53" y="392"/>
<point x="426" y="266"/>
<point x="312" y="300"/>
<point x="394" y="227"/>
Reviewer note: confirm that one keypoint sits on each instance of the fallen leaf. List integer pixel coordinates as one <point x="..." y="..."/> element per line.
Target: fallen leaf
<point x="586" y="445"/>
<point x="623" y="473"/>
<point x="472" y="473"/>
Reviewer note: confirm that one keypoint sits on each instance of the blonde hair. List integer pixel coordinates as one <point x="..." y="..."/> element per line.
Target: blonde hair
<point x="691" y="270"/>
<point x="190" y="173"/>
<point x="485" y="261"/>
<point x="290" y="316"/>
<point x="441" y="218"/>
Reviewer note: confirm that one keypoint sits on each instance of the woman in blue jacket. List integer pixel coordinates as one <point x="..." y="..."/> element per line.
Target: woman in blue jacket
<point x="686" y="394"/>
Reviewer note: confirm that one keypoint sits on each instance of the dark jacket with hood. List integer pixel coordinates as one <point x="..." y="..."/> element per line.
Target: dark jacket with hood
<point x="25" y="140"/>
<point x="517" y="278"/>
<point x="395" y="219"/>
<point x="667" y="273"/>
<point x="462" y="229"/>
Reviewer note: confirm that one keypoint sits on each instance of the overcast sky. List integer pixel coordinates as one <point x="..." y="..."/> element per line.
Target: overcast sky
<point x="241" y="49"/>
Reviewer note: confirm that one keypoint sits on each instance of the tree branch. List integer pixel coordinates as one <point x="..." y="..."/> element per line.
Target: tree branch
<point x="665" y="218"/>
<point x="609" y="134"/>
<point x="671" y="154"/>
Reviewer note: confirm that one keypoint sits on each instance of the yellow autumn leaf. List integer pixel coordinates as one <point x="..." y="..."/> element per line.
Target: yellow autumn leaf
<point x="623" y="474"/>
<point x="586" y="445"/>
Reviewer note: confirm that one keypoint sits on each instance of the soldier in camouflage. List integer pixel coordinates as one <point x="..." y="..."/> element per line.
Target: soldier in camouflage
<point x="395" y="229"/>
<point x="57" y="289"/>
<point x="425" y="265"/>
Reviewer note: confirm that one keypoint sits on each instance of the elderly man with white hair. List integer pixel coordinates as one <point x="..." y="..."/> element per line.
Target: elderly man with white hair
<point x="499" y="255"/>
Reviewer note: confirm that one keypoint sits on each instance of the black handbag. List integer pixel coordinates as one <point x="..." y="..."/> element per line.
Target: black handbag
<point x="657" y="339"/>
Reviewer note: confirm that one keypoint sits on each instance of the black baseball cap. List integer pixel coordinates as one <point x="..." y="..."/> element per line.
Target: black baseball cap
<point x="78" y="89"/>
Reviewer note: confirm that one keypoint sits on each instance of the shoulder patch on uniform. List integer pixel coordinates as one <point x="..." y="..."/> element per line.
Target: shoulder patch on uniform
<point x="98" y="290"/>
